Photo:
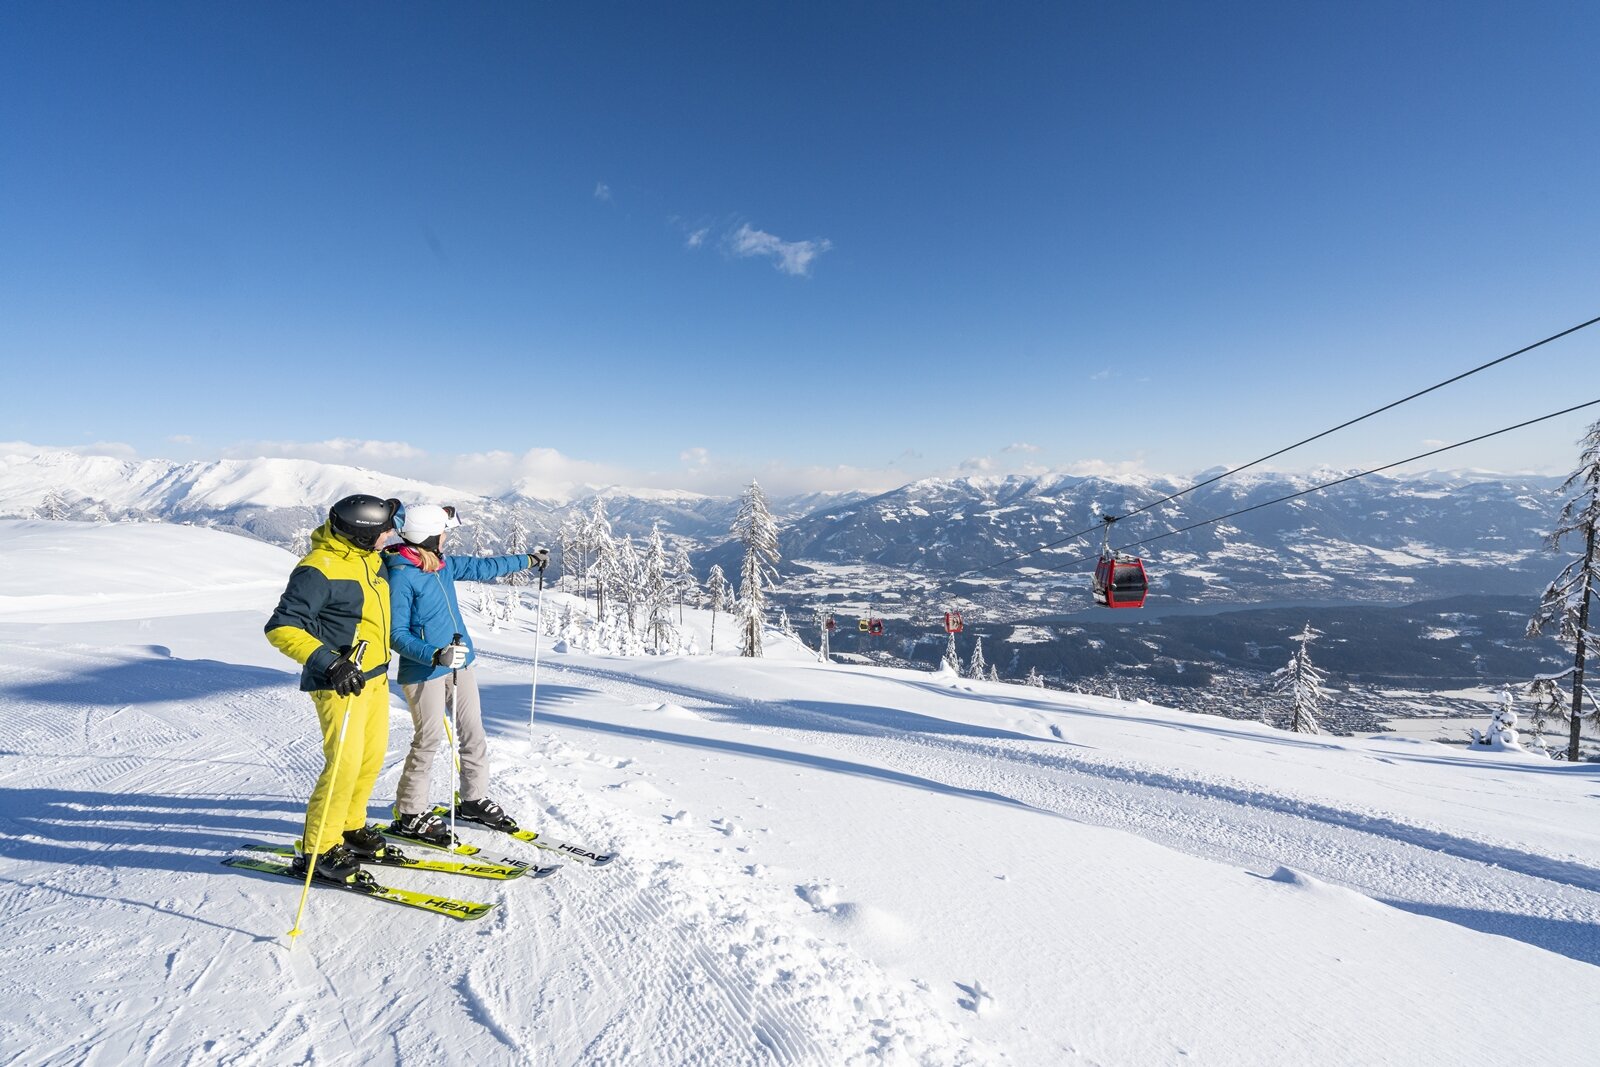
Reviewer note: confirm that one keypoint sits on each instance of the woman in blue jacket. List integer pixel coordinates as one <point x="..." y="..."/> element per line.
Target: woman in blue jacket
<point x="426" y="619"/>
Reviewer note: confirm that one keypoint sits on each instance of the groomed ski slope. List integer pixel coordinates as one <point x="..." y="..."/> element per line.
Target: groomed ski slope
<point x="819" y="864"/>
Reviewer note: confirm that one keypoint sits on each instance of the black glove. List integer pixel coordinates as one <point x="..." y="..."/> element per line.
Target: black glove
<point x="540" y="558"/>
<point x="451" y="656"/>
<point x="345" y="678"/>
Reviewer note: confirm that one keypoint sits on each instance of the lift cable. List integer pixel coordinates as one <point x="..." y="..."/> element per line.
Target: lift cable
<point x="1288" y="448"/>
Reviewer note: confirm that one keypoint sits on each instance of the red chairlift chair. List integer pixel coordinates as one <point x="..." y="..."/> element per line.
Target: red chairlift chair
<point x="953" y="623"/>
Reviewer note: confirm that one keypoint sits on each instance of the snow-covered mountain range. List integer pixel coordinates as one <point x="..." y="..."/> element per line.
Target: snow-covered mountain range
<point x="1374" y="539"/>
<point x="276" y="500"/>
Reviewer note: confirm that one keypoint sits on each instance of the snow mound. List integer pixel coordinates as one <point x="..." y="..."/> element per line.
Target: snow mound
<point x="670" y="711"/>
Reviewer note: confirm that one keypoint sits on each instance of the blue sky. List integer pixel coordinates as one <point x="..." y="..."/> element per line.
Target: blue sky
<point x="828" y="245"/>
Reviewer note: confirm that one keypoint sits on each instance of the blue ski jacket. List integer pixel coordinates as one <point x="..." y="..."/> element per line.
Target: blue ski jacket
<point x="425" y="611"/>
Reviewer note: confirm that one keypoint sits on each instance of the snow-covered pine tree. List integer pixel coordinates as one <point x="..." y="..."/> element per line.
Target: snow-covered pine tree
<point x="1564" y="609"/>
<point x="1034" y="678"/>
<point x="1502" y="734"/>
<point x="517" y="543"/>
<point x="716" y="592"/>
<point x="1303" y="683"/>
<point x="489" y="608"/>
<point x="54" y="506"/>
<point x="785" y="627"/>
<point x="626" y="582"/>
<point x="755" y="528"/>
<point x="977" y="666"/>
<point x="994" y="673"/>
<point x="568" y="544"/>
<point x="952" y="659"/>
<point x="656" y="589"/>
<point x="681" y="576"/>
<point x="599" y="549"/>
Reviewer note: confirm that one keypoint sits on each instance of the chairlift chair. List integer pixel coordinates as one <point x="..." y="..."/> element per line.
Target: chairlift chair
<point x="953" y="623"/>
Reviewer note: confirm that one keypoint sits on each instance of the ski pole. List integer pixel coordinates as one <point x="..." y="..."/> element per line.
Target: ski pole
<point x="538" y="630"/>
<point x="455" y="751"/>
<point x="356" y="655"/>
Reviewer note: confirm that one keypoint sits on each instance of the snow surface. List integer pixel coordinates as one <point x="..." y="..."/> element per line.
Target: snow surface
<point x="818" y="864"/>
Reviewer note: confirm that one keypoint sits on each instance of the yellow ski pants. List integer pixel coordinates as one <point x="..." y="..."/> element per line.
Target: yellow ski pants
<point x="343" y="791"/>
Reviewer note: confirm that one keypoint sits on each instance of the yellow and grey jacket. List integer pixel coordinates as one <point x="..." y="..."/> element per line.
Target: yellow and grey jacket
<point x="335" y="597"/>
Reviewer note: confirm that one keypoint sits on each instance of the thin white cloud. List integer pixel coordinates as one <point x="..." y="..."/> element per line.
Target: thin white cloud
<point x="602" y="192"/>
<point x="695" y="458"/>
<point x="113" y="449"/>
<point x="697" y="238"/>
<point x="1108" y="468"/>
<point x="180" y="439"/>
<point x="793" y="258"/>
<point x="335" y="450"/>
<point x="1020" y="447"/>
<point x="1100" y="375"/>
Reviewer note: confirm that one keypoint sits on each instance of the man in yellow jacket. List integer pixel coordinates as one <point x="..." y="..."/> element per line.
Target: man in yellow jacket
<point x="335" y="599"/>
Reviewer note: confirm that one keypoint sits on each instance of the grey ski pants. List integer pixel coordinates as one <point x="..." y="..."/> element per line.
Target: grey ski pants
<point x="430" y="707"/>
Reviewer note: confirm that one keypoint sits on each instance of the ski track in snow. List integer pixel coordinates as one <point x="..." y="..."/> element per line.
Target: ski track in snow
<point x="1495" y="887"/>
<point x="656" y="958"/>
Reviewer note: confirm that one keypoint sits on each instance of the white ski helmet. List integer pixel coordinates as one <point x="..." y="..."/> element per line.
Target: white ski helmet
<point x="422" y="521"/>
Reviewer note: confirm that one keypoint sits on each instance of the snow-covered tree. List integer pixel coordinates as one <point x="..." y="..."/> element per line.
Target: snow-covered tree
<point x="755" y="528"/>
<point x="684" y="584"/>
<point x="626" y="582"/>
<point x="517" y="543"/>
<point x="1564" y="609"/>
<point x="656" y="589"/>
<point x="599" y="548"/>
<point x="1502" y="733"/>
<point x="785" y="627"/>
<point x="54" y="506"/>
<point x="1034" y="678"/>
<point x="1303" y="684"/>
<point x="569" y="544"/>
<point x="716" y="592"/>
<point x="489" y="608"/>
<point x="952" y="659"/>
<point x="994" y="673"/>
<point x="977" y="666"/>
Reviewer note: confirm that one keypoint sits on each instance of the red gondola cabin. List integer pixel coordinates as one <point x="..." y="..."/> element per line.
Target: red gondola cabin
<point x="1120" y="582"/>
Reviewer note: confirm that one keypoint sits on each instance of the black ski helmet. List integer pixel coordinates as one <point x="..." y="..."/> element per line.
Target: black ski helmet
<point x="363" y="519"/>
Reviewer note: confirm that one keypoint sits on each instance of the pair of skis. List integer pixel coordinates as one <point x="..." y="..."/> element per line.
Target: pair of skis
<point x="475" y="864"/>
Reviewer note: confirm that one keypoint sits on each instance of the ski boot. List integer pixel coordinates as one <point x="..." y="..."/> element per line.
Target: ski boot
<point x="337" y="865"/>
<point x="486" y="812"/>
<point x="367" y="843"/>
<point x="425" y="827"/>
